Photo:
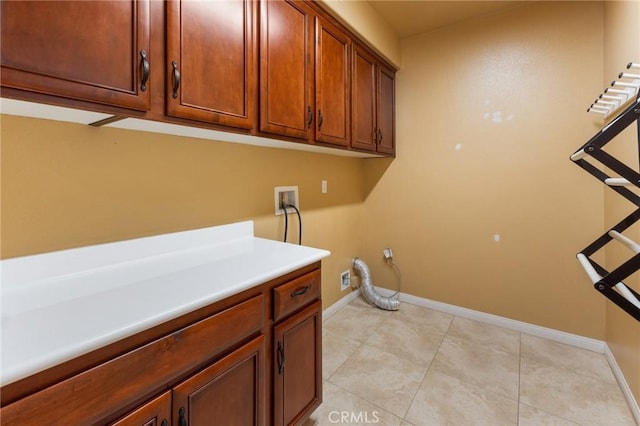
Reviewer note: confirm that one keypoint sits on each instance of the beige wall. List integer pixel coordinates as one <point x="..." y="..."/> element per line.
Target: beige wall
<point x="622" y="45"/>
<point x="67" y="185"/>
<point x="488" y="111"/>
<point x="361" y="18"/>
<point x="64" y="185"/>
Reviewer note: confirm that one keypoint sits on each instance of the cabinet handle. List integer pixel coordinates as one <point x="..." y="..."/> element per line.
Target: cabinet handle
<point x="145" y="70"/>
<point x="176" y="82"/>
<point x="280" y="358"/>
<point x="310" y="115"/>
<point x="380" y="138"/>
<point x="300" y="292"/>
<point x="182" y="421"/>
<point x="375" y="136"/>
<point x="164" y="422"/>
<point x="320" y="119"/>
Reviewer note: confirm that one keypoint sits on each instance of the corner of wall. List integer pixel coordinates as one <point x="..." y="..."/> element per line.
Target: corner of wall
<point x="621" y="45"/>
<point x="362" y="19"/>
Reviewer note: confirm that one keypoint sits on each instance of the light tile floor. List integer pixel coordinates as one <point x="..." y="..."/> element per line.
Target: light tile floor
<point x="420" y="367"/>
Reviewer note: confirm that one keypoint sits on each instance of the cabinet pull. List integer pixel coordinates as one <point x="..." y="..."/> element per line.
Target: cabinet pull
<point x="380" y="138"/>
<point x="182" y="421"/>
<point x="280" y="358"/>
<point x="320" y="119"/>
<point x="375" y="136"/>
<point x="145" y="70"/>
<point x="310" y="115"/>
<point x="176" y="82"/>
<point x="301" y="291"/>
<point x="164" y="422"/>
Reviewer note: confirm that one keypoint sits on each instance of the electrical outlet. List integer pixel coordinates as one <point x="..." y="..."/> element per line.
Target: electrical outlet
<point x="285" y="195"/>
<point x="345" y="280"/>
<point x="388" y="254"/>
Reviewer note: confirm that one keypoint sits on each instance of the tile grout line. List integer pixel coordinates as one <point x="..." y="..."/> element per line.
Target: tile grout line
<point x="366" y="400"/>
<point x="343" y="362"/>
<point x="424" y="377"/>
<point x="503" y="322"/>
<point x="583" y="344"/>
<point x="361" y="344"/>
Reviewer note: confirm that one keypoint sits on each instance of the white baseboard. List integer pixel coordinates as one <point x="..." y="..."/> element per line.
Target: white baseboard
<point x="582" y="342"/>
<point x="340" y="304"/>
<point x="624" y="386"/>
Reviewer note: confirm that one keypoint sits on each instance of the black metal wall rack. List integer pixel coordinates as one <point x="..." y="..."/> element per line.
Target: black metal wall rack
<point x="611" y="283"/>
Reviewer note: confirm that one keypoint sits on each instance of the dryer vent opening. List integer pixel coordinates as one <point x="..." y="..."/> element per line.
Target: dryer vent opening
<point x="391" y="303"/>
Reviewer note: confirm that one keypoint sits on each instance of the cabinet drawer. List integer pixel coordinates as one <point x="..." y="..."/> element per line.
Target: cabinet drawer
<point x="295" y="294"/>
<point x="99" y="393"/>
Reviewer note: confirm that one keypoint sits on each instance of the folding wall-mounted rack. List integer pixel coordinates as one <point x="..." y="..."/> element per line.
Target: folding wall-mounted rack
<point x="622" y="98"/>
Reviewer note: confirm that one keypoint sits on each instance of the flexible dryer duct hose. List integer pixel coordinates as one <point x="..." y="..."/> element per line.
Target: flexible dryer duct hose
<point x="388" y="303"/>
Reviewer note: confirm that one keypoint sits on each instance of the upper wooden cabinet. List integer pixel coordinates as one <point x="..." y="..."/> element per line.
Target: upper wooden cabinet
<point x="386" y="110"/>
<point x="286" y="68"/>
<point x="304" y="74"/>
<point x="373" y="113"/>
<point x="211" y="61"/>
<point x="364" y="100"/>
<point x="281" y="69"/>
<point x="96" y="51"/>
<point x="333" y="100"/>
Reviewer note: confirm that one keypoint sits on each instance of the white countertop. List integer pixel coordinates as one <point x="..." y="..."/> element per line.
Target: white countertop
<point x="57" y="306"/>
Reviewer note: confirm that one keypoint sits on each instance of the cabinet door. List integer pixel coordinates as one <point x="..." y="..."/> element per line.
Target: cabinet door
<point x="298" y="366"/>
<point x="286" y="68"/>
<point x="210" y="55"/>
<point x="229" y="392"/>
<point x="333" y="102"/>
<point x="156" y="412"/>
<point x="386" y="111"/>
<point x="95" y="51"/>
<point x="363" y="112"/>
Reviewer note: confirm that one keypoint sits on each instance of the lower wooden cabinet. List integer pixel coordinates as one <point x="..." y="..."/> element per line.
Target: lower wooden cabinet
<point x="298" y="366"/>
<point x="209" y="367"/>
<point x="229" y="392"/>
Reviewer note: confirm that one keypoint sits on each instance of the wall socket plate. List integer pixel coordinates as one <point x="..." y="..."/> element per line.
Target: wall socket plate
<point x="288" y="195"/>
<point x="345" y="280"/>
<point x="387" y="253"/>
